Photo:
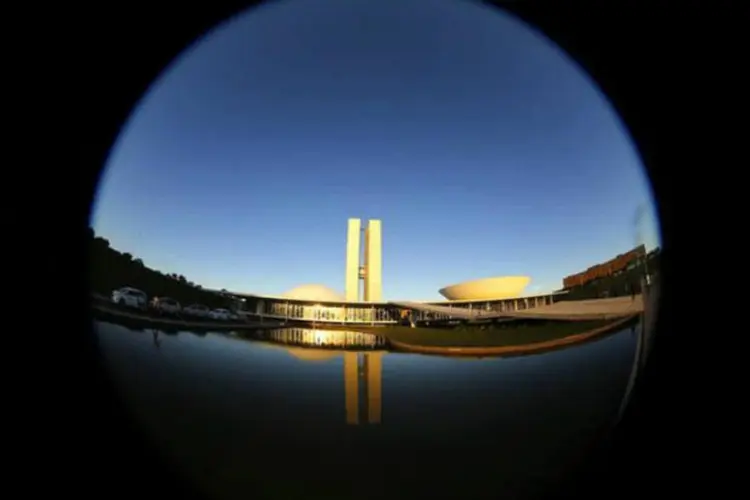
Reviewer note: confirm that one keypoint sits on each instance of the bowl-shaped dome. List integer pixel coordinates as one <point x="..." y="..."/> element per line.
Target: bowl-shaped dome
<point x="501" y="287"/>
<point x="313" y="293"/>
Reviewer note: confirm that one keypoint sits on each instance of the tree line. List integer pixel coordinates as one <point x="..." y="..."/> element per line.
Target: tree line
<point x="110" y="269"/>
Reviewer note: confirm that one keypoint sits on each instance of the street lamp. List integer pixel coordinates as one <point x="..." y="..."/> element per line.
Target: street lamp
<point x="640" y="212"/>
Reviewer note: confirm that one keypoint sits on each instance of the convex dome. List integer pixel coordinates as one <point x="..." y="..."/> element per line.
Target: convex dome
<point x="313" y="293"/>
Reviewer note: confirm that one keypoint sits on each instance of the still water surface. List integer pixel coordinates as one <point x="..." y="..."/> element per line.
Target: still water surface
<point x="239" y="414"/>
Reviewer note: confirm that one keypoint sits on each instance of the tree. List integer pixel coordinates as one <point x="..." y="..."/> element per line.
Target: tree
<point x="110" y="269"/>
<point x="100" y="243"/>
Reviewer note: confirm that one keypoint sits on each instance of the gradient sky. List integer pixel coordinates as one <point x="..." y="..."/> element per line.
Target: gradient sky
<point x="483" y="149"/>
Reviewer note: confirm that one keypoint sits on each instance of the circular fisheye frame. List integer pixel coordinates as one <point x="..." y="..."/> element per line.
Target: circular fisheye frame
<point x="340" y="230"/>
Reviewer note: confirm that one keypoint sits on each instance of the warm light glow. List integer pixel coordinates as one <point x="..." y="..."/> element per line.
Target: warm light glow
<point x="313" y="293"/>
<point x="325" y="338"/>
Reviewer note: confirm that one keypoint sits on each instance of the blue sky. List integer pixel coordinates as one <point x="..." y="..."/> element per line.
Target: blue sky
<point x="481" y="146"/>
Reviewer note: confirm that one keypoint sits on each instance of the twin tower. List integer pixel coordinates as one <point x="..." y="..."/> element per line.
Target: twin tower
<point x="365" y="264"/>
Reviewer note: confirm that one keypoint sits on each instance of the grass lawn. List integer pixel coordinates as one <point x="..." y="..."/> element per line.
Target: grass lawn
<point x="511" y="334"/>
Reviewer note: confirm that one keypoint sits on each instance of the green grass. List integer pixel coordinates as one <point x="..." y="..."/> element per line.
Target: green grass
<point x="491" y="336"/>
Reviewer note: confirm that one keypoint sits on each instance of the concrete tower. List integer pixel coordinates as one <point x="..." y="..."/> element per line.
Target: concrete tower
<point x="371" y="269"/>
<point x="351" y="288"/>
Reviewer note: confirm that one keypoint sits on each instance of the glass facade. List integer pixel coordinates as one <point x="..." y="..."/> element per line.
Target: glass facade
<point x="500" y="305"/>
<point x="331" y="313"/>
<point x="381" y="313"/>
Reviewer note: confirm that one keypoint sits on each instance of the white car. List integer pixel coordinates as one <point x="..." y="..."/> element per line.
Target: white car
<point x="220" y="314"/>
<point x="167" y="305"/>
<point x="130" y="297"/>
<point x="198" y="310"/>
<point x="238" y="316"/>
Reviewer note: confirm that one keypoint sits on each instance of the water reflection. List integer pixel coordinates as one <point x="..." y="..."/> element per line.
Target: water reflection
<point x="363" y="382"/>
<point x="216" y="403"/>
<point x="325" y="338"/>
<point x="155" y="334"/>
<point x="362" y="370"/>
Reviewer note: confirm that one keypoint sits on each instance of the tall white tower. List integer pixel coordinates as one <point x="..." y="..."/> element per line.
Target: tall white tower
<point x="371" y="269"/>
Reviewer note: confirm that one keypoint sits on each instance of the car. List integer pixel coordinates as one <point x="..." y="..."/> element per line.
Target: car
<point x="198" y="310"/>
<point x="220" y="314"/>
<point x="235" y="316"/>
<point x="167" y="305"/>
<point x="130" y="297"/>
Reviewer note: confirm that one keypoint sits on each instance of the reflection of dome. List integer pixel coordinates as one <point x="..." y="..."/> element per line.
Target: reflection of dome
<point x="488" y="288"/>
<point x="313" y="293"/>
<point x="306" y="354"/>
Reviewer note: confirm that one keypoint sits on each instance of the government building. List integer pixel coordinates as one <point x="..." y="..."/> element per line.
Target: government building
<point x="362" y="301"/>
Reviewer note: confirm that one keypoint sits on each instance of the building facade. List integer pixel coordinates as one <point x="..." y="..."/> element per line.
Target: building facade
<point x="362" y="302"/>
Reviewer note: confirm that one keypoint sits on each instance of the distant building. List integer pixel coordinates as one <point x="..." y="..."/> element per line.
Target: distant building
<point x="622" y="262"/>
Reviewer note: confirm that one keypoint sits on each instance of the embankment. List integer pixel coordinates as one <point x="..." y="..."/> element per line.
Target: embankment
<point x="511" y="349"/>
<point x="116" y="315"/>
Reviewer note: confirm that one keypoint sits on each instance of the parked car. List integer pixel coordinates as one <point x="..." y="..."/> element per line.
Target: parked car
<point x="130" y="297"/>
<point x="198" y="310"/>
<point x="220" y="314"/>
<point x="167" y="305"/>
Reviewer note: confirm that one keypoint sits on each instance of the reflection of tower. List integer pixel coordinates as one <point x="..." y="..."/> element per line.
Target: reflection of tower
<point x="369" y="373"/>
<point x="373" y="368"/>
<point x="371" y="271"/>
<point x="351" y="383"/>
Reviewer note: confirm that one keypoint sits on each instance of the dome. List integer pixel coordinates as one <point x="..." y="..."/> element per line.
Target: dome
<point x="313" y="293"/>
<point x="501" y="287"/>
